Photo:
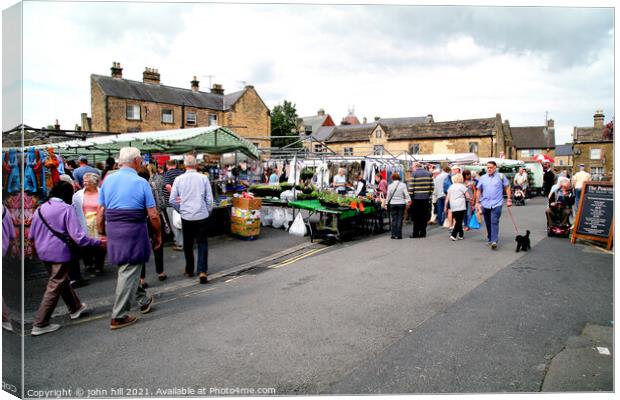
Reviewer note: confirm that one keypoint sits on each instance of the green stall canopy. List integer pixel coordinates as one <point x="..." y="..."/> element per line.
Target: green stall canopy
<point x="212" y="139"/>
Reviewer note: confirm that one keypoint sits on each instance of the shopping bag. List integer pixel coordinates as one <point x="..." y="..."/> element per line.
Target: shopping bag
<point x="278" y="218"/>
<point x="176" y="219"/>
<point x="479" y="216"/>
<point x="298" y="228"/>
<point x="473" y="222"/>
<point x="446" y="223"/>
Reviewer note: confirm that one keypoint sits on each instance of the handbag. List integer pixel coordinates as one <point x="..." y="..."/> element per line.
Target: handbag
<point x="176" y="219"/>
<point x="387" y="203"/>
<point x="74" y="248"/>
<point x="473" y="222"/>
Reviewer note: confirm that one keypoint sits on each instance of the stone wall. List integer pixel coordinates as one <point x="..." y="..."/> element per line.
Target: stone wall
<point x="607" y="156"/>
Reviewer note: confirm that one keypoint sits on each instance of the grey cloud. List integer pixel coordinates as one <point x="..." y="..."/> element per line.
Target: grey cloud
<point x="569" y="36"/>
<point x="109" y="22"/>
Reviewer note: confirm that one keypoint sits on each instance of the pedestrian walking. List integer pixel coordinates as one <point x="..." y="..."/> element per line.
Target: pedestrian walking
<point x="85" y="203"/>
<point x="454" y="170"/>
<point x="398" y="198"/>
<point x="457" y="198"/>
<point x="420" y="188"/>
<point x="470" y="183"/>
<point x="170" y="176"/>
<point x="8" y="235"/>
<point x="125" y="205"/>
<point x="78" y="173"/>
<point x="56" y="234"/>
<point x="490" y="198"/>
<point x="191" y="196"/>
<point x="548" y="179"/>
<point x="158" y="253"/>
<point x="577" y="181"/>
<point x="440" y="194"/>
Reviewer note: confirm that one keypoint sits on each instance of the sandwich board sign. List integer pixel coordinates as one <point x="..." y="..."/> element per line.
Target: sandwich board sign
<point x="595" y="213"/>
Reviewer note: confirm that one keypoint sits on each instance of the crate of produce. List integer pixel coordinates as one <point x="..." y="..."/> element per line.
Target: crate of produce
<point x="247" y="204"/>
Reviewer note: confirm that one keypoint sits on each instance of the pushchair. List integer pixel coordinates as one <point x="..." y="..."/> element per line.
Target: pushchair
<point x="518" y="195"/>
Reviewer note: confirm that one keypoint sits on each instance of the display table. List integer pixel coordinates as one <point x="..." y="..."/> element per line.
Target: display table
<point x="336" y="223"/>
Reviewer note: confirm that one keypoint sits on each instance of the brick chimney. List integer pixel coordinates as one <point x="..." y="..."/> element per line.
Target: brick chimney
<point x="321" y="112"/>
<point x="217" y="88"/>
<point x="550" y="123"/>
<point x="150" y="75"/>
<point x="365" y="120"/>
<point x="599" y="119"/>
<point x="195" y="85"/>
<point x="117" y="70"/>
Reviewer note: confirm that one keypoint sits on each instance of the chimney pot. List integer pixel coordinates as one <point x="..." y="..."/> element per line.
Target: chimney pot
<point x="321" y="112"/>
<point x="117" y="70"/>
<point x="599" y="119"/>
<point x="217" y="88"/>
<point x="150" y="75"/>
<point x="195" y="84"/>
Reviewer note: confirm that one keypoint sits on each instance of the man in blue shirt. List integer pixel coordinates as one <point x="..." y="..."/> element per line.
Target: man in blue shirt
<point x="192" y="197"/>
<point x="78" y="173"/>
<point x="489" y="199"/>
<point x="126" y="203"/>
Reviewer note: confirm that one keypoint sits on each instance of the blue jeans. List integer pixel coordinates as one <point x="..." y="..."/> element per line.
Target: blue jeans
<point x="577" y="195"/>
<point x="397" y="211"/>
<point x="491" y="220"/>
<point x="441" y="203"/>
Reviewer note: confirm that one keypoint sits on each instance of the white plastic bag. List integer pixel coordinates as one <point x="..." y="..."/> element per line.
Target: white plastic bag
<point x="278" y="218"/>
<point x="298" y="228"/>
<point x="266" y="216"/>
<point x="176" y="219"/>
<point x="288" y="218"/>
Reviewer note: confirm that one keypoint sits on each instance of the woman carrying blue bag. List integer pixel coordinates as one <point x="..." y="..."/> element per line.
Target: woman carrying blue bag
<point x="470" y="184"/>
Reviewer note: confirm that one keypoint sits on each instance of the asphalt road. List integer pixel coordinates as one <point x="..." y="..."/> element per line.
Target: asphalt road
<point x="369" y="316"/>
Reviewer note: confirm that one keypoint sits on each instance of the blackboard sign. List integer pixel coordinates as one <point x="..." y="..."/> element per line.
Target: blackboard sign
<point x="595" y="213"/>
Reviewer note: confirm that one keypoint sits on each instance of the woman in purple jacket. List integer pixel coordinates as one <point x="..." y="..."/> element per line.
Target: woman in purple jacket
<point x="53" y="225"/>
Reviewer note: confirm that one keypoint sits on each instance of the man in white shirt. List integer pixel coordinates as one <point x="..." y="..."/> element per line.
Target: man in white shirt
<point x="578" y="179"/>
<point x="192" y="197"/>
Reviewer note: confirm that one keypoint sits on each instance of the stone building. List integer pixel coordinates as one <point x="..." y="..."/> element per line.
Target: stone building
<point x="530" y="141"/>
<point x="564" y="157"/>
<point x="594" y="147"/>
<point x="315" y="129"/>
<point x="123" y="105"/>
<point x="486" y="137"/>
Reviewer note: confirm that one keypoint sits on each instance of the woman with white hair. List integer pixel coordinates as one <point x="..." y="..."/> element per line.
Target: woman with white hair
<point x="85" y="202"/>
<point x="340" y="181"/>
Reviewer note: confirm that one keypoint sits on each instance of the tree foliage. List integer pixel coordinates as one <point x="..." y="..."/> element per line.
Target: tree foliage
<point x="284" y="123"/>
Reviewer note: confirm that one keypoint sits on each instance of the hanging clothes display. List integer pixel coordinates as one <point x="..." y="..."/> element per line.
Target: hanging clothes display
<point x="51" y="164"/>
<point x="33" y="165"/>
<point x="13" y="184"/>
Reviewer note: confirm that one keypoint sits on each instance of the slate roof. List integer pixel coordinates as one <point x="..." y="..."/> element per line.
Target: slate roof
<point x="533" y="137"/>
<point x="446" y="129"/>
<point x="134" y="90"/>
<point x="315" y="121"/>
<point x="323" y="133"/>
<point x="387" y="122"/>
<point x="589" y="135"/>
<point x="351" y="133"/>
<point x="563" y="150"/>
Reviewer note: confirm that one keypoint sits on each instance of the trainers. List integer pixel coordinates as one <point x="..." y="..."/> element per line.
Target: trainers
<point x="118" y="323"/>
<point x="6" y="325"/>
<point x="145" y="309"/>
<point x="494" y="245"/>
<point x="79" y="312"/>
<point x="203" y="278"/>
<point x="460" y="237"/>
<point x="36" y="330"/>
<point x="453" y="238"/>
<point x="177" y="248"/>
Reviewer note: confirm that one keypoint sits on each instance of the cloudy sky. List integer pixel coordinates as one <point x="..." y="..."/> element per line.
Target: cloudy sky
<point x="455" y="62"/>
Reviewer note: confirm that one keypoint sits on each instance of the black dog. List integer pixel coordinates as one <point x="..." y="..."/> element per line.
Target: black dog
<point x="523" y="242"/>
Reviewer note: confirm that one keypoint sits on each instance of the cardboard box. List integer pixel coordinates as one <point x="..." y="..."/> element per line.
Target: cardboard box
<point x="247" y="204"/>
<point x="244" y="227"/>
